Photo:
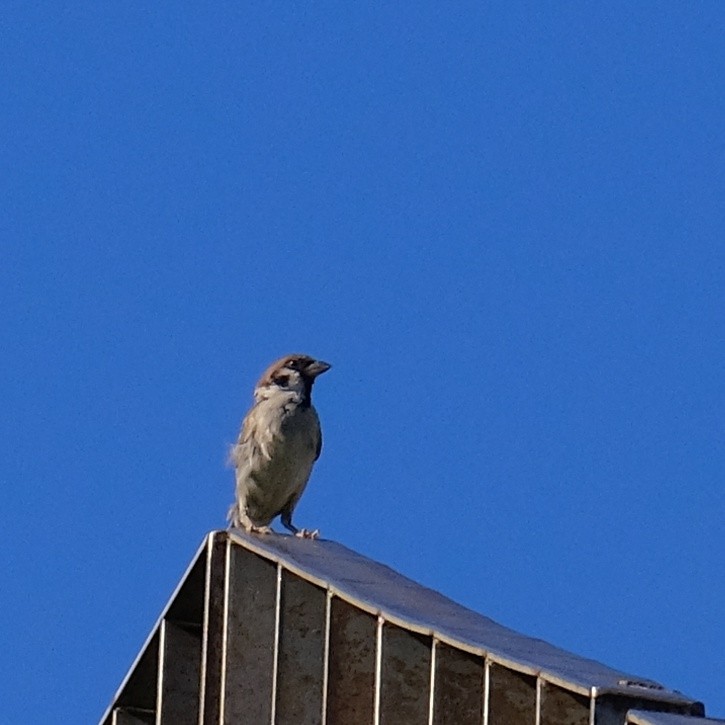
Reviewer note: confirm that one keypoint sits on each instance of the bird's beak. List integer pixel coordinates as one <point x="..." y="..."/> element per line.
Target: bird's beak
<point x="317" y="368"/>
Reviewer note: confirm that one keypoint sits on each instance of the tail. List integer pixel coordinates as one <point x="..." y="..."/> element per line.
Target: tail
<point x="233" y="516"/>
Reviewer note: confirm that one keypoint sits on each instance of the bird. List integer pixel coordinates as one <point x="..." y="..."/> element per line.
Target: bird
<point x="278" y="444"/>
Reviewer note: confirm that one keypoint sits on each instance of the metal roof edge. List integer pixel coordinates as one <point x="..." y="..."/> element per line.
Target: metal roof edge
<point x="157" y="624"/>
<point x="638" y="687"/>
<point x="643" y="717"/>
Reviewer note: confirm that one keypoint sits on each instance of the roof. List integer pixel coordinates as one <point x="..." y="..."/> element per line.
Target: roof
<point x="329" y="610"/>
<point x="380" y="590"/>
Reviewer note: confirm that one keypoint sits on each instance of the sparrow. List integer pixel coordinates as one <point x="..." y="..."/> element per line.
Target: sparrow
<point x="278" y="444"/>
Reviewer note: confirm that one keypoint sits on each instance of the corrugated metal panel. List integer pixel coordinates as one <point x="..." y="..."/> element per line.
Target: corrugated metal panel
<point x="458" y="687"/>
<point x="352" y="652"/>
<point x="248" y="672"/>
<point x="301" y="664"/>
<point x="562" y="707"/>
<point x="513" y="696"/>
<point x="274" y="629"/>
<point x="404" y="676"/>
<point x="178" y="675"/>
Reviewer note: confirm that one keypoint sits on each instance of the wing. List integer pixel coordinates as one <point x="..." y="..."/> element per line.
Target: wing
<point x="246" y="448"/>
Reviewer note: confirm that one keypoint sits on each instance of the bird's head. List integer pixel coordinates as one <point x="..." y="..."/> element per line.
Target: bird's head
<point x="291" y="373"/>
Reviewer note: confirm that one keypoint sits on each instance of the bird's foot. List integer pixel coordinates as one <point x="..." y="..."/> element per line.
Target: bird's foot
<point x="260" y="530"/>
<point x="307" y="533"/>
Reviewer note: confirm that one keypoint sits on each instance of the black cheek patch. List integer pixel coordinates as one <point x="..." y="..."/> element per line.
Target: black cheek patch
<point x="282" y="380"/>
<point x="307" y="393"/>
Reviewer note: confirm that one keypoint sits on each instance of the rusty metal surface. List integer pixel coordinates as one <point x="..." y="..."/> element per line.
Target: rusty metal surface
<point x="380" y="589"/>
<point x="458" y="691"/>
<point x="214" y="613"/>
<point x="512" y="697"/>
<point x="300" y="667"/>
<point x="179" y="663"/>
<point x="351" y="687"/>
<point x="250" y="644"/>
<point x="405" y="677"/>
<point x="562" y="707"/>
<point x="642" y="717"/>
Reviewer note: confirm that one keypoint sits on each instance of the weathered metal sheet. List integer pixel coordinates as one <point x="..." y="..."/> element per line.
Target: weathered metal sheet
<point x="405" y="677"/>
<point x="179" y="665"/>
<point x="562" y="707"/>
<point x="214" y="629"/>
<point x="279" y="627"/>
<point x="378" y="588"/>
<point x="512" y="697"/>
<point x="139" y="684"/>
<point x="250" y="638"/>
<point x="641" y="717"/>
<point x="300" y="668"/>
<point x="458" y="691"/>
<point x="188" y="604"/>
<point x="126" y="717"/>
<point x="139" y="691"/>
<point x="351" y="686"/>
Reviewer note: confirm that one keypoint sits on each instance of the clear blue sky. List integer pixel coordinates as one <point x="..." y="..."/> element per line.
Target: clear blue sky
<point x="504" y="225"/>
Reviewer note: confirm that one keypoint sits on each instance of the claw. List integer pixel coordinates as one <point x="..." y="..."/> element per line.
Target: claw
<point x="308" y="533"/>
<point x="260" y="530"/>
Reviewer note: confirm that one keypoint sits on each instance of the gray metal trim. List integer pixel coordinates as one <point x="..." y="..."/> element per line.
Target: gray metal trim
<point x="378" y="668"/>
<point x="275" y="658"/>
<point x="486" y="690"/>
<point x="642" y="717"/>
<point x="326" y="656"/>
<point x="432" y="684"/>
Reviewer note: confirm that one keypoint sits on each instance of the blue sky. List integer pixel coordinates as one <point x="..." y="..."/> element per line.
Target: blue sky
<point x="502" y="223"/>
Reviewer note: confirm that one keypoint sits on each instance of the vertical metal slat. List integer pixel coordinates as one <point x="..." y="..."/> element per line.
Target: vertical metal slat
<point x="326" y="656"/>
<point x="301" y="662"/>
<point x="486" y="690"/>
<point x="563" y="707"/>
<point x="459" y="686"/>
<point x="212" y="654"/>
<point x="378" y="668"/>
<point x="512" y="696"/>
<point x="405" y="679"/>
<point x="178" y="675"/>
<point x="432" y="685"/>
<point x="351" y="686"/>
<point x="250" y="638"/>
<point x="275" y="658"/>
